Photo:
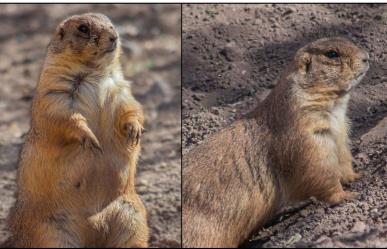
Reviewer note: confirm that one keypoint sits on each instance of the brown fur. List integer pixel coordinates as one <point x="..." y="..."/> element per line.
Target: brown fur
<point x="78" y="164"/>
<point x="293" y="146"/>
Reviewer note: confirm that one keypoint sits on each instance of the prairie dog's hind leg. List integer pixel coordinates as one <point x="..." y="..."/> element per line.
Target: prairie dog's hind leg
<point x="123" y="223"/>
<point x="347" y="174"/>
<point x="346" y="169"/>
<point x="47" y="235"/>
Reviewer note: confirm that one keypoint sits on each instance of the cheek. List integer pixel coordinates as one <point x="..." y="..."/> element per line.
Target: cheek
<point x="347" y="73"/>
<point x="345" y="78"/>
<point x="326" y="74"/>
<point x="104" y="42"/>
<point x="90" y="50"/>
<point x="331" y="77"/>
<point x="336" y="73"/>
<point x="78" y="45"/>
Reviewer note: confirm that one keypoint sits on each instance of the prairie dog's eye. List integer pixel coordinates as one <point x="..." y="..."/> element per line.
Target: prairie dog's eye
<point x="84" y="29"/>
<point x="331" y="54"/>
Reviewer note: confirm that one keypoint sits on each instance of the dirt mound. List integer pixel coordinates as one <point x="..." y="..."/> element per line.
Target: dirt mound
<point x="151" y="41"/>
<point x="232" y="57"/>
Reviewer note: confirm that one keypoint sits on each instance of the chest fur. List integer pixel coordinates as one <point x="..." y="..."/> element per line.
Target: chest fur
<point x="96" y="100"/>
<point x="330" y="127"/>
<point x="338" y="116"/>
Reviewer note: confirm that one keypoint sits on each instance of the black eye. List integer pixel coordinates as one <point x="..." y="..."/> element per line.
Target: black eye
<point x="331" y="54"/>
<point x="84" y="29"/>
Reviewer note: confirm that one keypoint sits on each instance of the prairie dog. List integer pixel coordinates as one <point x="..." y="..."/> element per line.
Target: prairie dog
<point x="78" y="164"/>
<point x="293" y="146"/>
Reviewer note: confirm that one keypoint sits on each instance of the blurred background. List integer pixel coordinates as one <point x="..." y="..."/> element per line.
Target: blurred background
<point x="150" y="36"/>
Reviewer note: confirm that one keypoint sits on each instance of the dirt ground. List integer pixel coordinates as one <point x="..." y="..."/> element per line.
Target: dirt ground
<point x="151" y="43"/>
<point x="232" y="56"/>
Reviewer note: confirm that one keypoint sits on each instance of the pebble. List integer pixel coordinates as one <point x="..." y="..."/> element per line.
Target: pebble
<point x="304" y="213"/>
<point x="359" y="227"/>
<point x="294" y="239"/>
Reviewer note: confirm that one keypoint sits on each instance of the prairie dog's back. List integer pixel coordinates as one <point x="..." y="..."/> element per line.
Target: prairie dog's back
<point x="220" y="205"/>
<point x="295" y="146"/>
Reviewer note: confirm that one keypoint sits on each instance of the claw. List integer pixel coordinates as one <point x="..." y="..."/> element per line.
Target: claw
<point x="97" y="147"/>
<point x="138" y="138"/>
<point x="133" y="133"/>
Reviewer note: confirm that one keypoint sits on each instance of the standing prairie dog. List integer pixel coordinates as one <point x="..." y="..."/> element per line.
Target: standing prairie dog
<point x="78" y="164"/>
<point x="294" y="145"/>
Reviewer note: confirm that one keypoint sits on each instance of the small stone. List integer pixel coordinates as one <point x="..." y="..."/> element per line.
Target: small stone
<point x="304" y="213"/>
<point x="294" y="239"/>
<point x="359" y="227"/>
<point x="142" y="182"/>
<point x="320" y="211"/>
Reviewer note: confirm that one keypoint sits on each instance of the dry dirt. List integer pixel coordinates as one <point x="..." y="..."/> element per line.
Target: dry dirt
<point x="152" y="50"/>
<point x="232" y="56"/>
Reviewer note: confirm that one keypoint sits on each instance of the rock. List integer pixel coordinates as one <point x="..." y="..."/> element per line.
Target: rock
<point x="227" y="53"/>
<point x="359" y="227"/>
<point x="287" y="12"/>
<point x="142" y="182"/>
<point x="377" y="133"/>
<point x="304" y="213"/>
<point x="294" y="239"/>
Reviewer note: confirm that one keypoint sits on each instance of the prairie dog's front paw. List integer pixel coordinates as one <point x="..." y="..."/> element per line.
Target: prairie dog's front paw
<point x="133" y="131"/>
<point x="90" y="141"/>
<point x="81" y="131"/>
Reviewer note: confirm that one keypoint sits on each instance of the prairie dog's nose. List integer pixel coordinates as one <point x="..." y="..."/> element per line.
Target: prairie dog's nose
<point x="113" y="38"/>
<point x="365" y="57"/>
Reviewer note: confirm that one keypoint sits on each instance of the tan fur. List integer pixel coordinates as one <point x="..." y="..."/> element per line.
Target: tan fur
<point x="78" y="164"/>
<point x="293" y="146"/>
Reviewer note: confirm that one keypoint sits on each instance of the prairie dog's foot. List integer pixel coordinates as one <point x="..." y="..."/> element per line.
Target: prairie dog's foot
<point x="341" y="196"/>
<point x="133" y="131"/>
<point x="123" y="222"/>
<point x="350" y="177"/>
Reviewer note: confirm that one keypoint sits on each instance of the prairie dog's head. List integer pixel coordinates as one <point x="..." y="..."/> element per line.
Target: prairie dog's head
<point x="90" y="39"/>
<point x="330" y="65"/>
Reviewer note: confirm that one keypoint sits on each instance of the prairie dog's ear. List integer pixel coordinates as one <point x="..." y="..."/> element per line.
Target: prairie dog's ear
<point x="56" y="45"/>
<point x="304" y="62"/>
<point x="60" y="32"/>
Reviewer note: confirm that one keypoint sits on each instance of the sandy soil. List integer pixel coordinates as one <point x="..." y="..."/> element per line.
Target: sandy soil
<point x="232" y="56"/>
<point x="151" y="41"/>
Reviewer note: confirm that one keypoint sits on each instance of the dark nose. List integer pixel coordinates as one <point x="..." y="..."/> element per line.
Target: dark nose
<point x="366" y="58"/>
<point x="113" y="39"/>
